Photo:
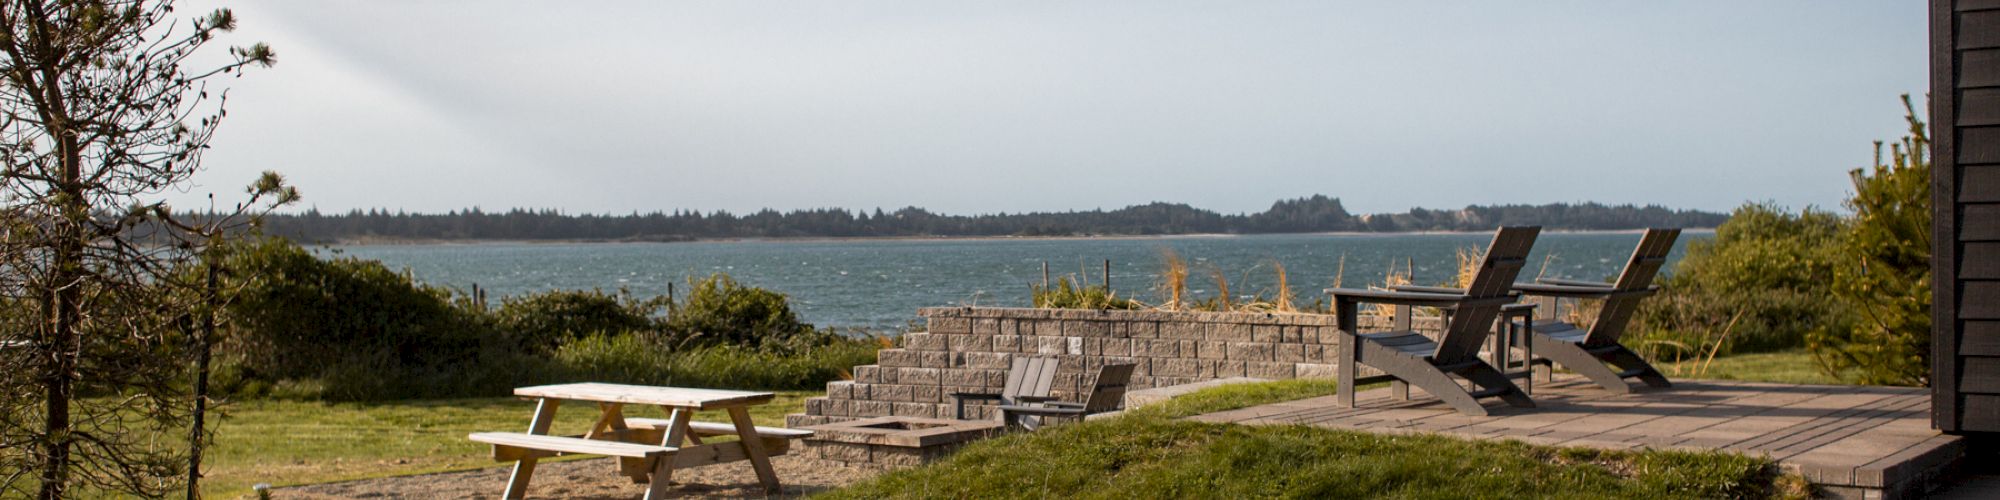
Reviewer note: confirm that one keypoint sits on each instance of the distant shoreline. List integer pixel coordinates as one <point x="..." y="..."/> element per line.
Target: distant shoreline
<point x="376" y="241"/>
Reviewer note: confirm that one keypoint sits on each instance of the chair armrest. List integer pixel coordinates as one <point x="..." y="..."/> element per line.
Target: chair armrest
<point x="1564" y="282"/>
<point x="1428" y="289"/>
<point x="1042" y="411"/>
<point x="1581" y="292"/>
<point x="1414" y="298"/>
<point x="1035" y="399"/>
<point x="1060" y="404"/>
<point x="1547" y="290"/>
<point x="1396" y="297"/>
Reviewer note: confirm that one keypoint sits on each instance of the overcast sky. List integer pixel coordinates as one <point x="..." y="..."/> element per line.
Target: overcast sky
<point x="976" y="107"/>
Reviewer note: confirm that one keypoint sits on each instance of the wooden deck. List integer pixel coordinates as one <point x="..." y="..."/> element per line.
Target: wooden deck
<point x="1873" y="442"/>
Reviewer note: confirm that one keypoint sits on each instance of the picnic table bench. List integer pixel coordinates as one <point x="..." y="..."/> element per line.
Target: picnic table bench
<point x="648" y="449"/>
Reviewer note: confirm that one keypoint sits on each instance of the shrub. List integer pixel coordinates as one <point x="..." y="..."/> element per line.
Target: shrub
<point x="296" y="315"/>
<point x="545" y="320"/>
<point x="1762" y="282"/>
<point x="1068" y="294"/>
<point x="719" y="312"/>
<point x="1885" y="273"/>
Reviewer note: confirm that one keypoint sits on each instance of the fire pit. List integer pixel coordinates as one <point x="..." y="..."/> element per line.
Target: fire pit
<point x="894" y="442"/>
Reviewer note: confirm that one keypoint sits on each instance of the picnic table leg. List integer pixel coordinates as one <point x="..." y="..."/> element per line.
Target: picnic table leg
<point x="753" y="446"/>
<point x="663" y="471"/>
<point x="517" y="484"/>
<point x="612" y="419"/>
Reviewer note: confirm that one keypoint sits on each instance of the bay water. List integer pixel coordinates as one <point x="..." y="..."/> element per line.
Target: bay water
<point x="878" y="284"/>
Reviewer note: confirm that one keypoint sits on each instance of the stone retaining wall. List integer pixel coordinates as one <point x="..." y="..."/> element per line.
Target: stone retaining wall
<point x="968" y="349"/>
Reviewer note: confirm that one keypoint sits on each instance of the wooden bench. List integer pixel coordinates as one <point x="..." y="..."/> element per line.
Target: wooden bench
<point x="516" y="445"/>
<point x="716" y="428"/>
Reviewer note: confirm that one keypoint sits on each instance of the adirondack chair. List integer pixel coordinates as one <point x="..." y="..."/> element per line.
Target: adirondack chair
<point x="1409" y="357"/>
<point x="1594" y="351"/>
<point x="1028" y="381"/>
<point x="1106" y="394"/>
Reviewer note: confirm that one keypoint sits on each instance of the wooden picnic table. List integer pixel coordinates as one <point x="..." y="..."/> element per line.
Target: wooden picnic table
<point x="648" y="449"/>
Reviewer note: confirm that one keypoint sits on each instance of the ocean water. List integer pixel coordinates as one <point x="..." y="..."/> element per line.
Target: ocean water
<point x="880" y="284"/>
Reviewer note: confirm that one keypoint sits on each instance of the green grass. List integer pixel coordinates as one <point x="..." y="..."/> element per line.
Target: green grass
<point x="1146" y="454"/>
<point x="1789" y="367"/>
<point x="1149" y="453"/>
<point x="292" y="442"/>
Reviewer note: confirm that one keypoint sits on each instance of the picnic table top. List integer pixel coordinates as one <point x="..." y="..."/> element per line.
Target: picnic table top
<point x="679" y="397"/>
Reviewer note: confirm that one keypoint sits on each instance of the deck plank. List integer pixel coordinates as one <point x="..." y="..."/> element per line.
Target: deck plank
<point x="1850" y="437"/>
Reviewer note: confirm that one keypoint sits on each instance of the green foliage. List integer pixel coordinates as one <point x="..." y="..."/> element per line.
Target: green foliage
<point x="295" y="315"/>
<point x="1760" y="285"/>
<point x="1148" y="456"/>
<point x="1884" y="273"/>
<point x="545" y="320"/>
<point x="632" y="360"/>
<point x="1068" y="294"/>
<point x="346" y="329"/>
<point x="720" y="312"/>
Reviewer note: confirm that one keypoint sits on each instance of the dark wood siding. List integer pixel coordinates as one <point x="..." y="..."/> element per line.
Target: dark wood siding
<point x="1965" y="112"/>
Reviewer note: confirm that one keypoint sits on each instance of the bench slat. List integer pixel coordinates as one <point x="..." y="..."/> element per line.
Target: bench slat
<point x="570" y="444"/>
<point x="716" y="428"/>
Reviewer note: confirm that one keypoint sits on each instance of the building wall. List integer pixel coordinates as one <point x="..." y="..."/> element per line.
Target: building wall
<point x="1965" y="117"/>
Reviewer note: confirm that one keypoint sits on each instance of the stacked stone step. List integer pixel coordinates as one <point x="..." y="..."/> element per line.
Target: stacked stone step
<point x="970" y="349"/>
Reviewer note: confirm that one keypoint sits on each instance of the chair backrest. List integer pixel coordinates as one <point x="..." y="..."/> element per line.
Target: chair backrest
<point x="1470" y="325"/>
<point x="1030" y="376"/>
<point x="1638" y="275"/>
<point x="1109" y="391"/>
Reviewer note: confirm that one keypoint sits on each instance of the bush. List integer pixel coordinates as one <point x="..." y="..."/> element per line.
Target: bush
<point x="1760" y="285"/>
<point x="720" y="312"/>
<point x="345" y="329"/>
<point x="1885" y="274"/>
<point x="1067" y="294"/>
<point x="545" y="320"/>
<point x="295" y="315"/>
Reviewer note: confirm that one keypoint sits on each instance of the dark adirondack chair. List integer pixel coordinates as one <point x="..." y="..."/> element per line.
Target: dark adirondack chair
<point x="1410" y="357"/>
<point x="1106" y="394"/>
<point x="1028" y="381"/>
<point x="1594" y="351"/>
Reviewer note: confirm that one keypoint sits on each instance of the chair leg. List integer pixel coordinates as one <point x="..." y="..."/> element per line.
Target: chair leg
<point x="1573" y="357"/>
<point x="1626" y="359"/>
<point x="1485" y="376"/>
<point x="1347" y="369"/>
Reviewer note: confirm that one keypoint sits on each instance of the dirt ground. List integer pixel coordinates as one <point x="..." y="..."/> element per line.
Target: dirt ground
<point x="592" y="479"/>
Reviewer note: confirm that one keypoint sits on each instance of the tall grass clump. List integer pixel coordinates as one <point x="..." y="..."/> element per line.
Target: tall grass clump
<point x="1173" y="280"/>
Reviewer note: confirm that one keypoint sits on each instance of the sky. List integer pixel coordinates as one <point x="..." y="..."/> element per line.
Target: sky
<point x="983" y="107"/>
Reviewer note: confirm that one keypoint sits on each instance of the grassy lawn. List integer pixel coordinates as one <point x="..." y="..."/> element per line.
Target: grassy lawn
<point x="1146" y="454"/>
<point x="291" y="442"/>
<point x="1790" y="367"/>
<point x="1149" y="454"/>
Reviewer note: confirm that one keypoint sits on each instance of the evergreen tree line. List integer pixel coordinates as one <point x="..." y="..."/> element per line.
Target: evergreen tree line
<point x="1314" y="214"/>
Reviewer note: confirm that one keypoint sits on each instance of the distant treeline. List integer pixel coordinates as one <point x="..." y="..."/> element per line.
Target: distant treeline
<point x="1314" y="214"/>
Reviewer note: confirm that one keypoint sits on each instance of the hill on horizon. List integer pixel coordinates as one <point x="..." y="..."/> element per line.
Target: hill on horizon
<point x="1318" y="213"/>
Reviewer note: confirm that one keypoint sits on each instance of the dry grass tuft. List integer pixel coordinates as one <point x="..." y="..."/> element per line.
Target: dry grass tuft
<point x="1173" y="280"/>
